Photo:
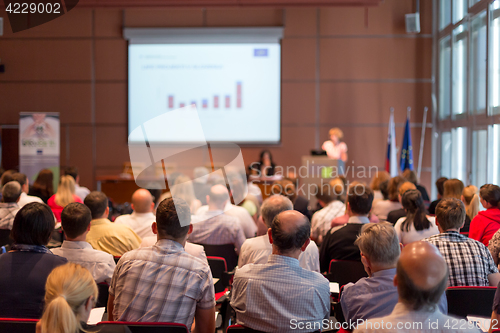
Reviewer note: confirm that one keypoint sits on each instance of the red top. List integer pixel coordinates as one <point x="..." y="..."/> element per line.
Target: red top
<point x="56" y="209"/>
<point x="484" y="225"/>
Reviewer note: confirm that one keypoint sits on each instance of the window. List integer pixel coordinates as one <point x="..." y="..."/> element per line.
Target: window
<point x="477" y="69"/>
<point x="479" y="157"/>
<point x="446" y="154"/>
<point x="459" y="71"/>
<point x="458" y="153"/>
<point x="444" y="13"/>
<point x="444" y="77"/>
<point x="494" y="154"/>
<point x="459" y="10"/>
<point x="495" y="58"/>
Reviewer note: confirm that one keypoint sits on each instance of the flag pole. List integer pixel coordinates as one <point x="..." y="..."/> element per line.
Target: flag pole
<point x="422" y="142"/>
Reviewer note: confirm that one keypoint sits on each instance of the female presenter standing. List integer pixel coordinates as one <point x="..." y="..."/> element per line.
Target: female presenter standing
<point x="335" y="148"/>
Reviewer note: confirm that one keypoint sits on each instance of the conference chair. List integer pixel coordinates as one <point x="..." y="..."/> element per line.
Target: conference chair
<point x="218" y="267"/>
<point x="345" y="271"/>
<point x="144" y="327"/>
<point x="240" y="329"/>
<point x="102" y="299"/>
<point x="18" y="325"/>
<point x="475" y="301"/>
<point x="225" y="251"/>
<point x="116" y="259"/>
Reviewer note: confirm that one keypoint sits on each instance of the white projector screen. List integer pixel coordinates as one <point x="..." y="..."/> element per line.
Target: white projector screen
<point x="233" y="76"/>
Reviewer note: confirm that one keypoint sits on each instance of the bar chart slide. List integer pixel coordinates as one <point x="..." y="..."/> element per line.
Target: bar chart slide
<point x="204" y="102"/>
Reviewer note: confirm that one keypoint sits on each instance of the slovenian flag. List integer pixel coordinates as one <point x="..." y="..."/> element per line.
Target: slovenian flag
<point x="406" y="161"/>
<point x="391" y="164"/>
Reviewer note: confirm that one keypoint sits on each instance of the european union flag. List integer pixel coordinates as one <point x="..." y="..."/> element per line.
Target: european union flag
<point x="406" y="161"/>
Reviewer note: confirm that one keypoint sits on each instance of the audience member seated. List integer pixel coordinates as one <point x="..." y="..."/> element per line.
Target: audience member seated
<point x="215" y="226"/>
<point x="440" y="189"/>
<point x="453" y="188"/>
<point x="416" y="225"/>
<point x="469" y="261"/>
<point x="269" y="297"/>
<point x="25" y="198"/>
<point x="241" y="214"/>
<point x="495" y="315"/>
<point x="265" y="167"/>
<point x="376" y="295"/>
<point x="382" y="208"/>
<point x="75" y="221"/>
<point x="200" y="186"/>
<point x="421" y="277"/>
<point x="487" y="222"/>
<point x="65" y="195"/>
<point x="395" y="215"/>
<point x="70" y="295"/>
<point x="11" y="192"/>
<point x="379" y="178"/>
<point x="339" y="241"/>
<point x="257" y="250"/>
<point x="195" y="250"/>
<point x="25" y="268"/>
<point x="241" y="197"/>
<point x="332" y="207"/>
<point x="43" y="187"/>
<point x="470" y="198"/>
<point x="80" y="191"/>
<point x="183" y="289"/>
<point x="411" y="176"/>
<point x="287" y="188"/>
<point x="142" y="216"/>
<point x="105" y="235"/>
<point x="183" y="188"/>
<point x="494" y="247"/>
<point x="252" y="188"/>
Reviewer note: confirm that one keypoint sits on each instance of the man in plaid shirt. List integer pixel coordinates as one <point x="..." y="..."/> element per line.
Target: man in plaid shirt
<point x="164" y="283"/>
<point x="469" y="261"/>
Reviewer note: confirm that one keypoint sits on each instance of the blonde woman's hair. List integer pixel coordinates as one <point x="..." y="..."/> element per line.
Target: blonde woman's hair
<point x="453" y="188"/>
<point x="471" y="198"/>
<point x="337" y="132"/>
<point x="68" y="287"/>
<point x="65" y="191"/>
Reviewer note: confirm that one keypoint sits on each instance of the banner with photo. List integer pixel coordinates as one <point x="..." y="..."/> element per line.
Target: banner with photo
<point x="39" y="144"/>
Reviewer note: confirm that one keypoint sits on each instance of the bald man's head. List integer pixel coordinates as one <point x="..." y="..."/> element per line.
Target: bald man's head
<point x="142" y="201"/>
<point x="422" y="276"/>
<point x="290" y="230"/>
<point x="218" y="197"/>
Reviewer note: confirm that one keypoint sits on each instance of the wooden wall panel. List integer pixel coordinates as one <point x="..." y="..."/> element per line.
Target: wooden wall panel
<point x="111" y="103"/>
<point x="300" y="22"/>
<point x="45" y="60"/>
<point x="80" y="153"/>
<point x="298" y="103"/>
<point x="108" y="22"/>
<point x="112" y="148"/>
<point x="374" y="58"/>
<point x="72" y="101"/>
<point x="248" y="17"/>
<point x="298" y="59"/>
<point x="111" y="59"/>
<point x="172" y="17"/>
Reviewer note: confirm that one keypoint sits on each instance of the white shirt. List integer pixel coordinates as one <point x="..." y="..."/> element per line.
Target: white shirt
<point x="382" y="208"/>
<point x="321" y="220"/>
<point x="139" y="222"/>
<point x="99" y="263"/>
<point x="247" y="223"/>
<point x="193" y="249"/>
<point x="413" y="235"/>
<point x="26" y="199"/>
<point x="257" y="250"/>
<point x="334" y="151"/>
<point x="255" y="191"/>
<point x="81" y="191"/>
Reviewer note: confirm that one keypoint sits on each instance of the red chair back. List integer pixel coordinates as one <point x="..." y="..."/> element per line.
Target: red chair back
<point x="18" y="325"/>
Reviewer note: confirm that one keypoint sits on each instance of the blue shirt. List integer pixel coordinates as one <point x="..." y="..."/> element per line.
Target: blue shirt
<point x="374" y="297"/>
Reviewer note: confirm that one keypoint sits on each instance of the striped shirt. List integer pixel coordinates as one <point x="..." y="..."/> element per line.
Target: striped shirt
<point x="322" y="219"/>
<point x="162" y="283"/>
<point x="469" y="261"/>
<point x="267" y="297"/>
<point x="8" y="212"/>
